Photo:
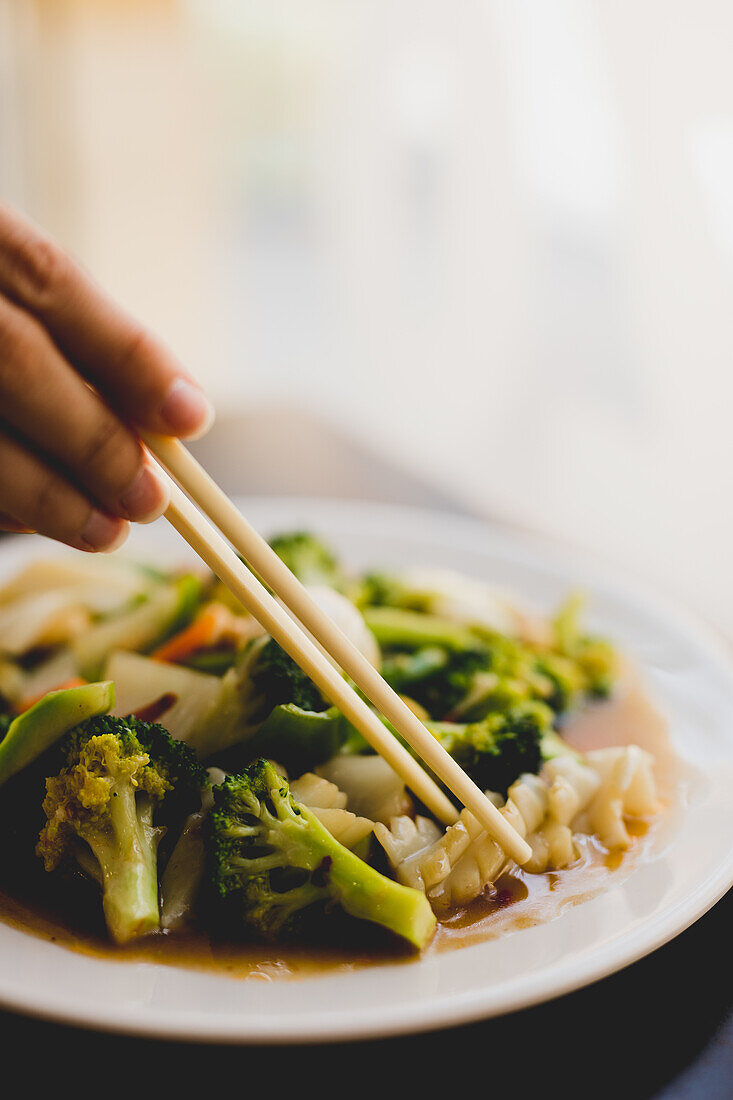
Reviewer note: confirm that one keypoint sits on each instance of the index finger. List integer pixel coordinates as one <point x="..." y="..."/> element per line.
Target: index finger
<point x="138" y="375"/>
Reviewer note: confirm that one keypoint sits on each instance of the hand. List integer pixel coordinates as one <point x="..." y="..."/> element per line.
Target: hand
<point x="71" y="467"/>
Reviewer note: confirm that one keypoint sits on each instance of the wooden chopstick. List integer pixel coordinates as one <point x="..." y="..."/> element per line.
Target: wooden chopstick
<point x="212" y="548"/>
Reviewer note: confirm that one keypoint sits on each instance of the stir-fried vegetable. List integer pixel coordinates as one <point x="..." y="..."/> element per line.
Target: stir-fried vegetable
<point x="101" y="809"/>
<point x="190" y="679"/>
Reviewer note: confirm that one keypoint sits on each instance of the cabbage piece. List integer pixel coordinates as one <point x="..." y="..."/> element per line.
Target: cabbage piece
<point x="373" y="789"/>
<point x="181" y="880"/>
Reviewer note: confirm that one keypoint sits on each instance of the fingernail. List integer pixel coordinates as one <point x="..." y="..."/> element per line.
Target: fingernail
<point x="147" y="497"/>
<point x="186" y="410"/>
<point x="102" y="532"/>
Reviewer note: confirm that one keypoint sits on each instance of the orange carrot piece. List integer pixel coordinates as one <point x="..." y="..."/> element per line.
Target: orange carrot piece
<point x="205" y="630"/>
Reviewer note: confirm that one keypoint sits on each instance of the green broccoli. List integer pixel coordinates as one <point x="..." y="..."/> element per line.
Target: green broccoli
<point x="498" y="749"/>
<point x="401" y="628"/>
<point x="594" y="658"/>
<point x="101" y="809"/>
<point x="271" y="860"/>
<point x="299" y="739"/>
<point x="263" y="681"/>
<point x="514" y="673"/>
<point x="436" y="678"/>
<point x="308" y="558"/>
<point x="561" y="681"/>
<point x="388" y="590"/>
<point x="465" y="685"/>
<point x="497" y="673"/>
<point x="270" y="677"/>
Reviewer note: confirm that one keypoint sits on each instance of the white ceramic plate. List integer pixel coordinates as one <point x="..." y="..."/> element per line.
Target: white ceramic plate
<point x="687" y="871"/>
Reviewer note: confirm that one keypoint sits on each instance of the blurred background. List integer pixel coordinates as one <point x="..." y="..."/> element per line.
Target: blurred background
<point x="491" y="241"/>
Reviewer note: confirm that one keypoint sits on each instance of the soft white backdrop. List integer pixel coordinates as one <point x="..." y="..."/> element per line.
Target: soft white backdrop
<point x="493" y="238"/>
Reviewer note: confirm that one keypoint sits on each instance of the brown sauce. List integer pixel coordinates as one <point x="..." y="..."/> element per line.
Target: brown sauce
<point x="68" y="912"/>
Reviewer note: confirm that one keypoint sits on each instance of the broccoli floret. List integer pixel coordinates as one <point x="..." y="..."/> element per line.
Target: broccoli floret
<point x="595" y="659"/>
<point x="271" y="860"/>
<point x="565" y="681"/>
<point x="513" y="674"/>
<point x="387" y="590"/>
<point x="435" y="678"/>
<point x="408" y="623"/>
<point x="405" y="671"/>
<point x="497" y="750"/>
<point x="465" y="685"/>
<point x="264" y="681"/>
<point x="101" y="810"/>
<point x="308" y="558"/>
<point x="274" y="678"/>
<point x="299" y="739"/>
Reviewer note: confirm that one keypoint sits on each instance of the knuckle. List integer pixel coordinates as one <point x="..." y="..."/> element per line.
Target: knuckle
<point x="55" y="508"/>
<point x="109" y="455"/>
<point x="45" y="499"/>
<point x="139" y="351"/>
<point x="39" y="267"/>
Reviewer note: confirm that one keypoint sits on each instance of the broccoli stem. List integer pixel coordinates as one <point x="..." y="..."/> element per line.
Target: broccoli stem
<point x="299" y="739"/>
<point x="360" y="890"/>
<point x="271" y="858"/>
<point x="366" y="894"/>
<point x="396" y="627"/>
<point x="127" y="856"/>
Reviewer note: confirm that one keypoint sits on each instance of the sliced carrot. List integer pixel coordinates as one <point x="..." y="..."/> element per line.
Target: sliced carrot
<point x="74" y="682"/>
<point x="209" y="626"/>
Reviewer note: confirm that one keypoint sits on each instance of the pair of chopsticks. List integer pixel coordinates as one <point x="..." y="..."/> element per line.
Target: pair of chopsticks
<point x="299" y="643"/>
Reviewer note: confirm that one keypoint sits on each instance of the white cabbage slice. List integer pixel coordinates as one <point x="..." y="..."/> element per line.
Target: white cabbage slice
<point x="53" y="616"/>
<point x="181" y="880"/>
<point x="373" y="789"/>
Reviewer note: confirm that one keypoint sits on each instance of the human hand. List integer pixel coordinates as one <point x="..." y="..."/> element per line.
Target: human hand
<point x="71" y="467"/>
